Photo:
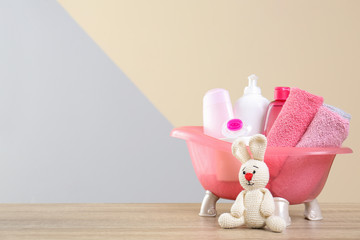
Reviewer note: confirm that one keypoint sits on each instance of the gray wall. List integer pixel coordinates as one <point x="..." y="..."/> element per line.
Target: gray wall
<point x="73" y="127"/>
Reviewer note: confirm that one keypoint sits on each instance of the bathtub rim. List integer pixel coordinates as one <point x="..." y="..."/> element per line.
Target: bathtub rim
<point x="195" y="134"/>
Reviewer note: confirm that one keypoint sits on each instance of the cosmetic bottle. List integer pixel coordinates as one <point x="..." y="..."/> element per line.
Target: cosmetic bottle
<point x="280" y="96"/>
<point x="251" y="107"/>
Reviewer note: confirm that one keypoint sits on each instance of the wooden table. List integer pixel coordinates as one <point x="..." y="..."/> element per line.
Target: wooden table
<point x="161" y="221"/>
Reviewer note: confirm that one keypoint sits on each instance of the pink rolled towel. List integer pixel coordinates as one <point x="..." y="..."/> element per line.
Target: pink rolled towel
<point x="328" y="129"/>
<point x="294" y="118"/>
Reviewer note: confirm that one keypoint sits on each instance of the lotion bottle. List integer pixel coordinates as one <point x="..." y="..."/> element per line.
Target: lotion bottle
<point x="251" y="107"/>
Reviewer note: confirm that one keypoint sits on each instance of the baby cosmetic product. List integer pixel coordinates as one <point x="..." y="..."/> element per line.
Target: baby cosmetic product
<point x="280" y="96"/>
<point x="251" y="107"/>
<point x="217" y="110"/>
<point x="235" y="128"/>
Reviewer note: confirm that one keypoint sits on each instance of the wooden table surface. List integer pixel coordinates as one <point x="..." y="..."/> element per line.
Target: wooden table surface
<point x="161" y="221"/>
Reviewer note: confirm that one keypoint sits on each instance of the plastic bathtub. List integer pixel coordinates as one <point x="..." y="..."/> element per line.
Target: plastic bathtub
<point x="296" y="174"/>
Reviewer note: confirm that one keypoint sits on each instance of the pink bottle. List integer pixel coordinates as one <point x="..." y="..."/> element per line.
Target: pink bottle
<point x="280" y="96"/>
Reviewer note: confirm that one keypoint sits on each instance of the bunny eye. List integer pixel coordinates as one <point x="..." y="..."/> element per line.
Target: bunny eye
<point x="244" y="172"/>
<point x="254" y="172"/>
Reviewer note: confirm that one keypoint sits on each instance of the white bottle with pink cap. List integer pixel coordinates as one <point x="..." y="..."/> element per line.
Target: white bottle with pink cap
<point x="217" y="109"/>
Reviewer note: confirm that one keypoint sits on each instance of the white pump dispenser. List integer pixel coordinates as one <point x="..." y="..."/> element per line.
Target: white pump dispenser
<point x="252" y="88"/>
<point x="251" y="107"/>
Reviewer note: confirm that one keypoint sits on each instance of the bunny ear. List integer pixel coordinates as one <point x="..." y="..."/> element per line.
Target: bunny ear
<point x="257" y="145"/>
<point x="240" y="151"/>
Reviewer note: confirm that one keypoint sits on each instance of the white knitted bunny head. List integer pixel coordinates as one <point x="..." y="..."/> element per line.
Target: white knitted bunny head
<point x="254" y="173"/>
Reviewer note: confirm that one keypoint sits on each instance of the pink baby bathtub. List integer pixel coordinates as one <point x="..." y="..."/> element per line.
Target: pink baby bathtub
<point x="296" y="174"/>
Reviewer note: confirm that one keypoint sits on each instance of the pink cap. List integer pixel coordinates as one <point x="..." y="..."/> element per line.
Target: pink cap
<point x="281" y="93"/>
<point x="234" y="124"/>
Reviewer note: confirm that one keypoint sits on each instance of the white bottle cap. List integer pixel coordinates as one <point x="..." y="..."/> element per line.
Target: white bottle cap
<point x="252" y="88"/>
<point x="216" y="96"/>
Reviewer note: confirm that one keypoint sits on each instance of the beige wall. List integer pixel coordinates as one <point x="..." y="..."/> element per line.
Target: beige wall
<point x="174" y="51"/>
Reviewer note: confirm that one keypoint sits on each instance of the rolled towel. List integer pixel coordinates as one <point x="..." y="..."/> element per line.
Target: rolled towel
<point x="338" y="111"/>
<point x="294" y="118"/>
<point x="329" y="128"/>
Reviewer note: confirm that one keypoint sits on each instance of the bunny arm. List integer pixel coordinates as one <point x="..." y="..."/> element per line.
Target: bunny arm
<point x="238" y="207"/>
<point x="267" y="207"/>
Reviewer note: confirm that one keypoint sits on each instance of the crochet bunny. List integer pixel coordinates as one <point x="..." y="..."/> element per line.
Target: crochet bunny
<point x="254" y="206"/>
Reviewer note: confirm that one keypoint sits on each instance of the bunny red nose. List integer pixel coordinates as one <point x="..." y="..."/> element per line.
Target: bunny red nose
<point x="248" y="176"/>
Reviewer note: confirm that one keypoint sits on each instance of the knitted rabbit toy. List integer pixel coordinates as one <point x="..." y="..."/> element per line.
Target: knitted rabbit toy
<point x="254" y="206"/>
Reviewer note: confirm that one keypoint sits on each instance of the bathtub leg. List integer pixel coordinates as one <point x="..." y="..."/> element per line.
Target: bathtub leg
<point x="312" y="211"/>
<point x="282" y="209"/>
<point x="208" y="206"/>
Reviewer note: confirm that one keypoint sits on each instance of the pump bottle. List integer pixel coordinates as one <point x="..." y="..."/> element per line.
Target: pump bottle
<point x="251" y="107"/>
